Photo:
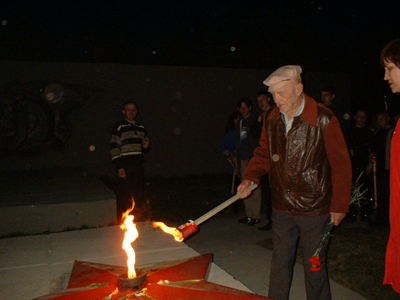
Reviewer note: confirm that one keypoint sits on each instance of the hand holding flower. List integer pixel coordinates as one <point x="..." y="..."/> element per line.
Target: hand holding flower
<point x="356" y="197"/>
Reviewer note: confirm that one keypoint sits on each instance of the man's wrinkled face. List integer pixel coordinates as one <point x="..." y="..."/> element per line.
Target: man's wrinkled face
<point x="130" y="111"/>
<point x="392" y="75"/>
<point x="327" y="98"/>
<point x="263" y="102"/>
<point x="288" y="98"/>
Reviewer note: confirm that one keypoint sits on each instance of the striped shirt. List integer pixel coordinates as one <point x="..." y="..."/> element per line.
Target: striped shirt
<point x="126" y="139"/>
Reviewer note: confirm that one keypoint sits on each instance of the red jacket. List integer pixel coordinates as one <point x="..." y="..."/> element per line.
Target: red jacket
<point x="392" y="269"/>
<point x="309" y="167"/>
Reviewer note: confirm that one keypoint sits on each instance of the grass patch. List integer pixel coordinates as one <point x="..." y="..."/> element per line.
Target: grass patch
<point x="356" y="259"/>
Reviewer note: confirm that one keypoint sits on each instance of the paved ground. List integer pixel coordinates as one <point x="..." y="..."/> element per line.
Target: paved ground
<point x="32" y="266"/>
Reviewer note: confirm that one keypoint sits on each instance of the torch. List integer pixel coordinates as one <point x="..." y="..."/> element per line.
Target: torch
<point x="385" y="102"/>
<point x="373" y="160"/>
<point x="229" y="156"/>
<point x="190" y="226"/>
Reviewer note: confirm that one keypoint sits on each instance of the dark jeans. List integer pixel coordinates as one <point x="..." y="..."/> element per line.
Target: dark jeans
<point x="131" y="188"/>
<point x="287" y="231"/>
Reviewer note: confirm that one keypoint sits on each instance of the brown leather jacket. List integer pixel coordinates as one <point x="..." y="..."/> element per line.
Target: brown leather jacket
<point x="309" y="168"/>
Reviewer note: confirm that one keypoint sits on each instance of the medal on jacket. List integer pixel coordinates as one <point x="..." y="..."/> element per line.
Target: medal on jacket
<point x="275" y="157"/>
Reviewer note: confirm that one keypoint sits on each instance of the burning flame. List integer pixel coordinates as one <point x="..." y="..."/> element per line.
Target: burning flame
<point x="131" y="234"/>
<point x="170" y="230"/>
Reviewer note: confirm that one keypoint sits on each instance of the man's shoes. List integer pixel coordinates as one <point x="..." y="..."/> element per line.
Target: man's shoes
<point x="249" y="221"/>
<point x="253" y="222"/>
<point x="244" y="220"/>
<point x="367" y="218"/>
<point x="377" y="223"/>
<point x="351" y="218"/>
<point x="266" y="227"/>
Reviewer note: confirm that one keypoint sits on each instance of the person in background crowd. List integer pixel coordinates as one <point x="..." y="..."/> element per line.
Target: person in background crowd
<point x="328" y="97"/>
<point x="228" y="148"/>
<point x="229" y="137"/>
<point x="359" y="141"/>
<point x="266" y="104"/>
<point x="128" y="140"/>
<point x="303" y="149"/>
<point x="381" y="149"/>
<point x="390" y="60"/>
<point x="245" y="145"/>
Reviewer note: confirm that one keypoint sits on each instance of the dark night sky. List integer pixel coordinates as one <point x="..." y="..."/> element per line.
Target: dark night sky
<point x="333" y="36"/>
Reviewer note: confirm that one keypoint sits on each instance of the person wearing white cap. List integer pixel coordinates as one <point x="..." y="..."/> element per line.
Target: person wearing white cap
<point x="303" y="149"/>
<point x="390" y="60"/>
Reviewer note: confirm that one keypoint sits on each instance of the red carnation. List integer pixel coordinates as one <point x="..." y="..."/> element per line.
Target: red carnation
<point x="356" y="197"/>
<point x="315" y="261"/>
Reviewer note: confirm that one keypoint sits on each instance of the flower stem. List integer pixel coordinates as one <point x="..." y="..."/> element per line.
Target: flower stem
<point x="325" y="237"/>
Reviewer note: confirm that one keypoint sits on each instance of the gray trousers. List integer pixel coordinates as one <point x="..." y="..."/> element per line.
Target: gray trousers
<point x="252" y="204"/>
<point x="287" y="231"/>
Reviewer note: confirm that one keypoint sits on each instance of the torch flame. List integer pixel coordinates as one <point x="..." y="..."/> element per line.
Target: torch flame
<point x="131" y="234"/>
<point x="170" y="230"/>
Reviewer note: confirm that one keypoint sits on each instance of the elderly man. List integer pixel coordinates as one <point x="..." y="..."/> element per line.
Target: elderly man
<point x="303" y="150"/>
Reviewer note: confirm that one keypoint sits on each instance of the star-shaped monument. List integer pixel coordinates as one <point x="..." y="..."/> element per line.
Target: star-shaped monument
<point x="184" y="279"/>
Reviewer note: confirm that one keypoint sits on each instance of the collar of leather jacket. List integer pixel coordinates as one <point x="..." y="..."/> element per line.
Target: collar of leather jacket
<point x="309" y="114"/>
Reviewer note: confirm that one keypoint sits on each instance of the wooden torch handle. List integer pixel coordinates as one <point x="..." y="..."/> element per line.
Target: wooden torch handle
<point x="223" y="205"/>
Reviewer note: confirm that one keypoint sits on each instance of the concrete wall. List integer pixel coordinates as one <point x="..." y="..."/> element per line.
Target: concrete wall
<point x="184" y="109"/>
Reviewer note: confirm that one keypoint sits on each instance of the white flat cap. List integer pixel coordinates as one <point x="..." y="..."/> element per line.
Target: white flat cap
<point x="281" y="76"/>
